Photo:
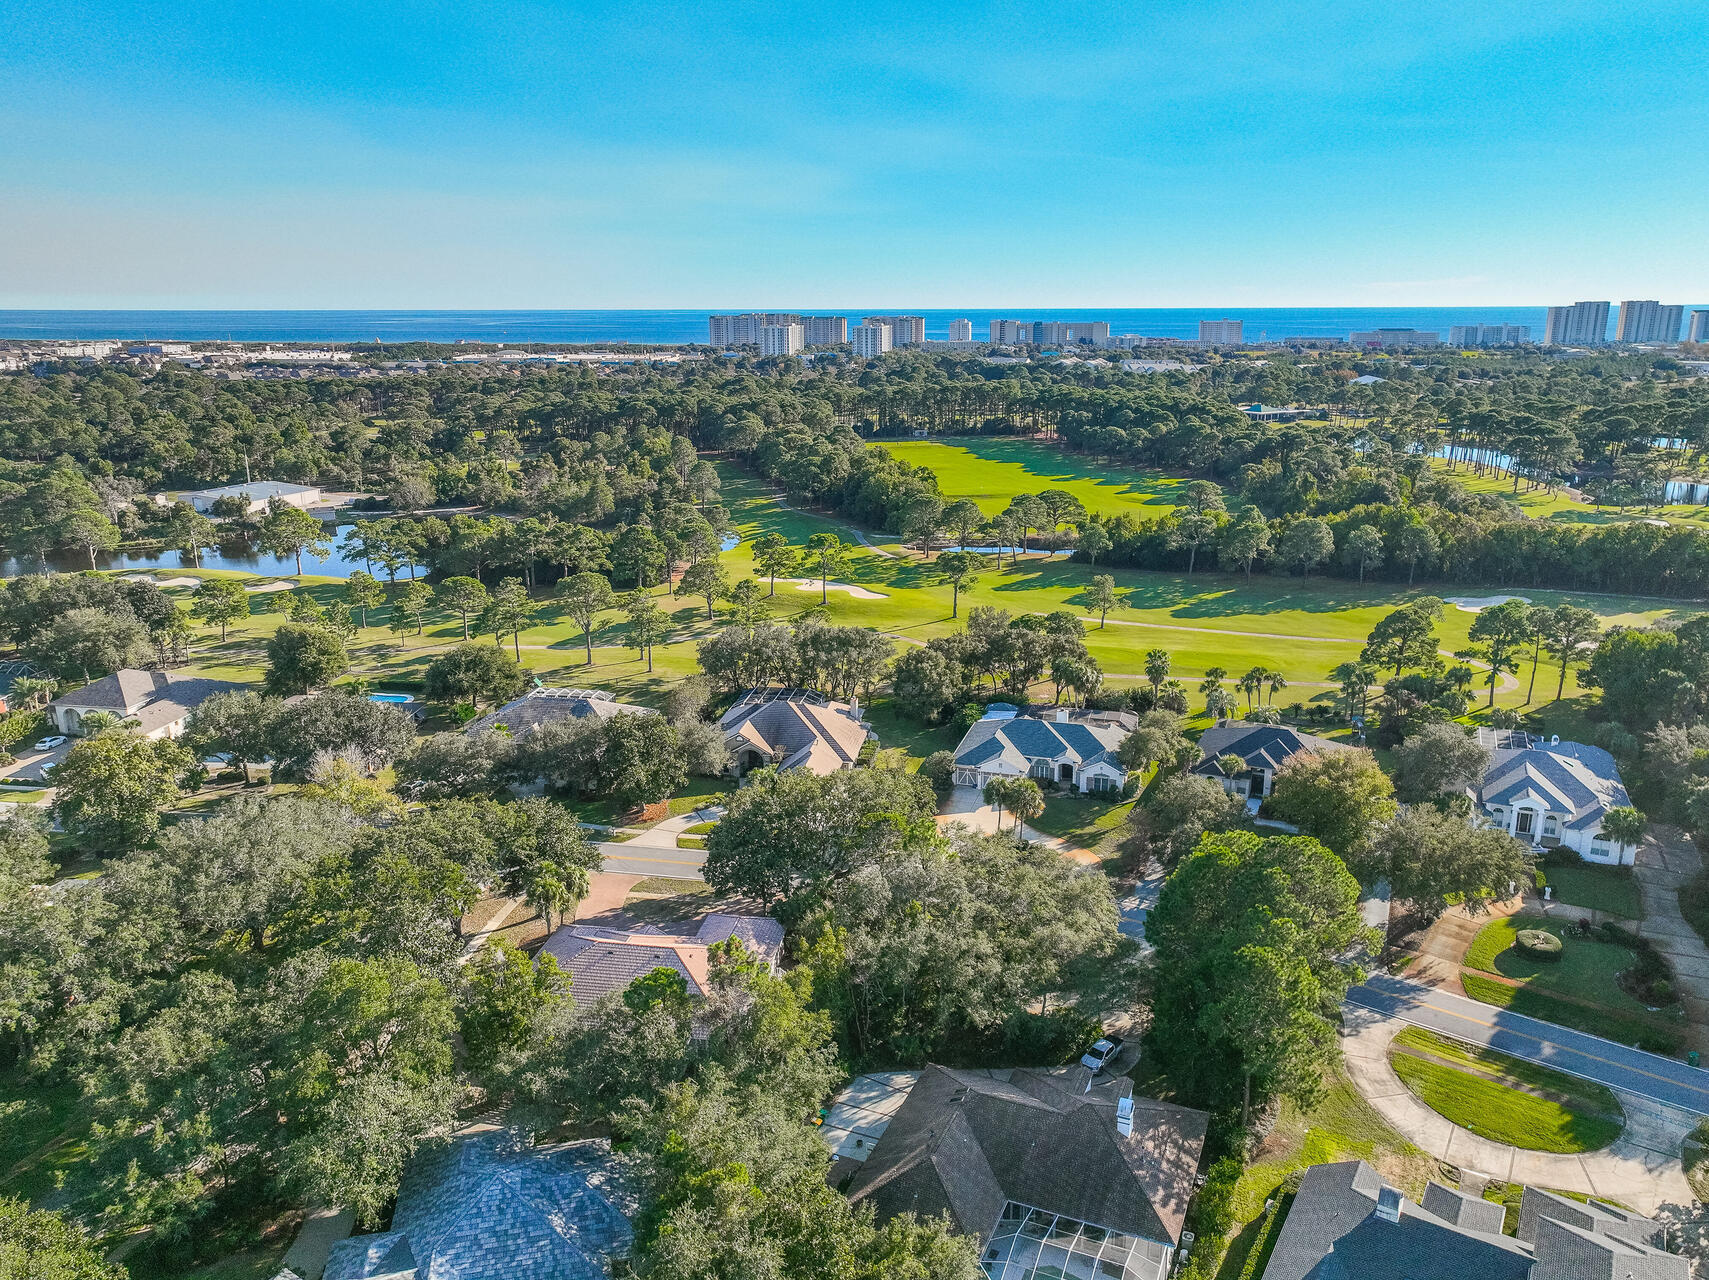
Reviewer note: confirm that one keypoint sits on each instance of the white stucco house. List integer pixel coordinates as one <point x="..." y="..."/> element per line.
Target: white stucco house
<point x="1552" y="794"/>
<point x="1072" y="748"/>
<point x="159" y="701"/>
<point x="792" y="729"/>
<point x="258" y="493"/>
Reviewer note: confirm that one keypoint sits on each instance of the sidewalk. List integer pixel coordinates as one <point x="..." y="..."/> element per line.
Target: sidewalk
<point x="1641" y="1169"/>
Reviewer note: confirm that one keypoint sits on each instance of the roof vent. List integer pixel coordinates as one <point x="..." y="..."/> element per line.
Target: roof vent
<point x="1554" y="739"/>
<point x="1124" y="1117"/>
<point x="1388" y="1204"/>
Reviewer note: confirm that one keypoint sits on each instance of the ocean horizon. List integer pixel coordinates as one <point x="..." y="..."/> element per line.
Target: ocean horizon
<point x="683" y="326"/>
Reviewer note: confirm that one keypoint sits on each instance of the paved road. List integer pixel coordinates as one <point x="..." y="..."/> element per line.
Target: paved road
<point x="633" y="858"/>
<point x="1648" y="1075"/>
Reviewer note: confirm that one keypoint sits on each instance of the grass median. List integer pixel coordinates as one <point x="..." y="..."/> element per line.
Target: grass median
<point x="1504" y="1099"/>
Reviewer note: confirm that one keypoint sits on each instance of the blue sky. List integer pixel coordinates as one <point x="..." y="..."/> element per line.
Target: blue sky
<point x="934" y="155"/>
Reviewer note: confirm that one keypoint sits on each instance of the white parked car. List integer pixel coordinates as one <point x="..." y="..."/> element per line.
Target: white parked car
<point x="1102" y="1054"/>
<point x="48" y="744"/>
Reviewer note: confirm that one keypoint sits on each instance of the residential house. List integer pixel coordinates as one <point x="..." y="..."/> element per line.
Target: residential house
<point x="1552" y="793"/>
<point x="1265" y="748"/>
<point x="792" y="729"/>
<point x="1072" y="748"/>
<point x="1055" y="1171"/>
<point x="600" y="961"/>
<point x="545" y="705"/>
<point x="159" y="701"/>
<point x="256" y="494"/>
<point x="1345" y="1223"/>
<point x="479" y="1210"/>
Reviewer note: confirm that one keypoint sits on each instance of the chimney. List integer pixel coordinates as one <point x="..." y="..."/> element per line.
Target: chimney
<point x="1124" y="1117"/>
<point x="1061" y="716"/>
<point x="1389" y="1202"/>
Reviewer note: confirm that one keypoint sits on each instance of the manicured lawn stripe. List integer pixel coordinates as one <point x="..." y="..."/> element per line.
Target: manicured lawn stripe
<point x="1579" y="1116"/>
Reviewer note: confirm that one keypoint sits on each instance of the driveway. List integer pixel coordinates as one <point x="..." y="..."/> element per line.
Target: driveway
<point x="1664" y="1081"/>
<point x="1666" y="860"/>
<point x="31" y="766"/>
<point x="967" y="806"/>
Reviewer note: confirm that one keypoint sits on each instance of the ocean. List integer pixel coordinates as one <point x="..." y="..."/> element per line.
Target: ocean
<point x="690" y="326"/>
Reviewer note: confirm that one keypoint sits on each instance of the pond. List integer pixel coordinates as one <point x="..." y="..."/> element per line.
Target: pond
<point x="240" y="556"/>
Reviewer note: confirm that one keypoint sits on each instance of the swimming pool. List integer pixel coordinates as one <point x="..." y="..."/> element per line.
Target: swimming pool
<point x="391" y="697"/>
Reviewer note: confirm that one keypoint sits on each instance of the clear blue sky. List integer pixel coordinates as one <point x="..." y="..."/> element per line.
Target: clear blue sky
<point x="573" y="155"/>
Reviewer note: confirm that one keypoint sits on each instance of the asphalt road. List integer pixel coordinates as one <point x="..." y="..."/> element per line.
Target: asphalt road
<point x="631" y="858"/>
<point x="1649" y="1075"/>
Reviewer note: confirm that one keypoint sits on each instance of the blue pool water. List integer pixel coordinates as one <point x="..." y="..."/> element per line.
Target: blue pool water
<point x="390" y="697"/>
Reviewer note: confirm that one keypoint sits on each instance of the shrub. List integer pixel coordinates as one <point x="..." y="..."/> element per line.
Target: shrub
<point x="1212" y="1215"/>
<point x="939" y="770"/>
<point x="1538" y="943"/>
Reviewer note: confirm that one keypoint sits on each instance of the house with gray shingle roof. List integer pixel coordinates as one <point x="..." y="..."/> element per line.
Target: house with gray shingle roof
<point x="792" y="729"/>
<point x="1553" y="793"/>
<point x="1345" y="1224"/>
<point x="1072" y="748"/>
<point x="477" y="1209"/>
<point x="1057" y="1172"/>
<point x="159" y="701"/>
<point x="547" y="704"/>
<point x="600" y="961"/>
<point x="1265" y="748"/>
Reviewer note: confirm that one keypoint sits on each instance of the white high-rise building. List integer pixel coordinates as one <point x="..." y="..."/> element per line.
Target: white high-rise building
<point x="869" y="340"/>
<point x="1011" y="333"/>
<point x="1489" y="335"/>
<point x="961" y="331"/>
<point x="744" y="329"/>
<point x="780" y="339"/>
<point x="1699" y="331"/>
<point x="1646" y="320"/>
<point x="1220" y="333"/>
<point x="1584" y="324"/>
<point x="904" y="330"/>
<point x="825" y="331"/>
<point x="1396" y="338"/>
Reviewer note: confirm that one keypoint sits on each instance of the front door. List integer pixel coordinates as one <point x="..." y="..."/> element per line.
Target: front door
<point x="1524" y="822"/>
<point x="1065" y="773"/>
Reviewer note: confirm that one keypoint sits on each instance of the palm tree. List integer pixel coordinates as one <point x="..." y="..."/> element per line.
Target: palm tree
<point x="1274" y="681"/>
<point x="1214" y="677"/>
<point x="1251" y="683"/>
<point x="1156" y="669"/>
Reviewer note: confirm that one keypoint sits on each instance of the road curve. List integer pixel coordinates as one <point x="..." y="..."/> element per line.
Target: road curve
<point x="1625" y="1070"/>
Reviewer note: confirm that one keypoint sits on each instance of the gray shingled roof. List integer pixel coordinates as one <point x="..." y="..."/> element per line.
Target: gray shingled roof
<point x="965" y="1142"/>
<point x="545" y="706"/>
<point x="1025" y="739"/>
<point x="153" y="698"/>
<point x="1334" y="1232"/>
<point x="1262" y="746"/>
<point x="477" y="1210"/>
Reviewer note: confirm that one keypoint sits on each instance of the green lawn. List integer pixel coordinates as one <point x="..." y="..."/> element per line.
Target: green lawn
<point x="1083" y="820"/>
<point x="1503" y="1099"/>
<point x="1342" y="1126"/>
<point x="1302" y="627"/>
<point x="1578" y="990"/>
<point x="1542" y="504"/>
<point x="992" y="472"/>
<point x="1585" y="884"/>
<point x="1585" y="970"/>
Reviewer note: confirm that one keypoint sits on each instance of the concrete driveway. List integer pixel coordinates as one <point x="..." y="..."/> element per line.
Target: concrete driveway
<point x="31" y="766"/>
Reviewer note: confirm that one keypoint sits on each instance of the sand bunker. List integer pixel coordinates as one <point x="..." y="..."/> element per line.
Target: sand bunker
<point x="163" y="582"/>
<point x="859" y="593"/>
<point x="267" y="587"/>
<point x="1477" y="604"/>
